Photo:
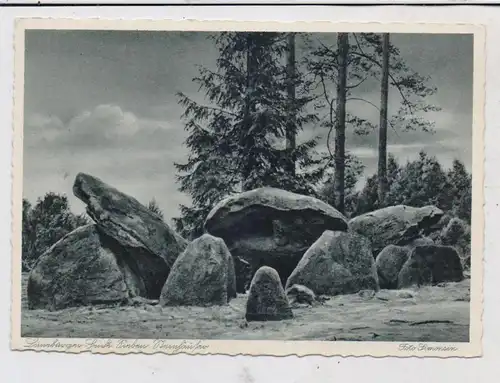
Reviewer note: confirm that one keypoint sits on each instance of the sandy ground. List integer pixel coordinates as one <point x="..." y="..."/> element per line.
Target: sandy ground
<point x="435" y="314"/>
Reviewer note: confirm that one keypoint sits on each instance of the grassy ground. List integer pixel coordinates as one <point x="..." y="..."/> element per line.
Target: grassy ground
<point x="434" y="314"/>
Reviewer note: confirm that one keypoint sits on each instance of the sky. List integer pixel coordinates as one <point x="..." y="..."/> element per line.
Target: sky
<point x="104" y="103"/>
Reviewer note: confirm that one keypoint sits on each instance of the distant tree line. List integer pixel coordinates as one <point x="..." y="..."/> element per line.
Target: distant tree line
<point x="417" y="183"/>
<point x="246" y="134"/>
<point x="45" y="223"/>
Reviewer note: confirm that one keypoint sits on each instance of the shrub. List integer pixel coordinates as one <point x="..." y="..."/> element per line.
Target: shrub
<point x="458" y="235"/>
<point x="44" y="224"/>
<point x="154" y="208"/>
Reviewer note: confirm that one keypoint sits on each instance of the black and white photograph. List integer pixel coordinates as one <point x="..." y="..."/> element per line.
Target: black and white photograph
<point x="247" y="185"/>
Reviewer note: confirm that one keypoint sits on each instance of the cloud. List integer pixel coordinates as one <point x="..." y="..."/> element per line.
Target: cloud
<point x="105" y="126"/>
<point x="39" y="127"/>
<point x="101" y="126"/>
<point x="134" y="154"/>
<point x="40" y="121"/>
<point x="105" y="121"/>
<point x="123" y="123"/>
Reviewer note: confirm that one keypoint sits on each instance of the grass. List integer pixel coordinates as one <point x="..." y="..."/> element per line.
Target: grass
<point x="434" y="314"/>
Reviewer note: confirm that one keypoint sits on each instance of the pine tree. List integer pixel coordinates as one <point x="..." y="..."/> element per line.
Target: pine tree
<point x="366" y="64"/>
<point x="382" y="144"/>
<point x="291" y="80"/>
<point x="332" y="66"/>
<point x="421" y="182"/>
<point x="460" y="189"/>
<point x="343" y="55"/>
<point x="393" y="170"/>
<point x="233" y="139"/>
<point x="353" y="171"/>
<point x="413" y="88"/>
<point x="368" y="199"/>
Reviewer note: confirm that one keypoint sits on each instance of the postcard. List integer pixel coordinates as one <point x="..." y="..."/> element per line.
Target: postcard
<point x="255" y="188"/>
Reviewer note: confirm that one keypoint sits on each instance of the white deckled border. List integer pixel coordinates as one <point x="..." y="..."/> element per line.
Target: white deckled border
<point x="277" y="348"/>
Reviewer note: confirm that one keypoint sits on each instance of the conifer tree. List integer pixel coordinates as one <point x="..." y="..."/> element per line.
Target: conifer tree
<point x="365" y="65"/>
<point x="382" y="143"/>
<point x="343" y="55"/>
<point x="460" y="184"/>
<point x="291" y="79"/>
<point x="153" y="207"/>
<point x="234" y="137"/>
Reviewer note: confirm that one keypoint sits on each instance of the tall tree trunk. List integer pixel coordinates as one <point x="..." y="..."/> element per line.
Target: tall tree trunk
<point x="382" y="142"/>
<point x="247" y="137"/>
<point x="291" y="128"/>
<point x="343" y="52"/>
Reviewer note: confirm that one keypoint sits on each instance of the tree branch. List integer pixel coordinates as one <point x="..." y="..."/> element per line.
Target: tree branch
<point x="328" y="141"/>
<point x="358" y="84"/>
<point x="362" y="99"/>
<point x="219" y="110"/>
<point x="325" y="93"/>
<point x="368" y="57"/>
<point x="181" y="95"/>
<point x="393" y="128"/>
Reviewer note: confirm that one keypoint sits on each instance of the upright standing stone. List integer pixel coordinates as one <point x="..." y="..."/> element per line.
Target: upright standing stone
<point x="337" y="263"/>
<point x="147" y="243"/>
<point x="429" y="265"/>
<point x="267" y="300"/>
<point x="79" y="270"/>
<point x="389" y="263"/>
<point x="203" y="275"/>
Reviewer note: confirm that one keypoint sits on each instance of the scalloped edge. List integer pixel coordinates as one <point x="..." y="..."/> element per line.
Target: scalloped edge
<point x="253" y="348"/>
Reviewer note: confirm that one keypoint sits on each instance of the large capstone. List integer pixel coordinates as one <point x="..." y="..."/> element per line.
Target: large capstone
<point x="272" y="227"/>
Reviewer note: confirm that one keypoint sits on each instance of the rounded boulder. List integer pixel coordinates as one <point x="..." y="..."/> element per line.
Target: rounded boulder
<point x="395" y="225"/>
<point x="389" y="263"/>
<point x="79" y="270"/>
<point x="266" y="299"/>
<point x="337" y="263"/>
<point x="430" y="265"/>
<point x="203" y="275"/>
<point x="300" y="294"/>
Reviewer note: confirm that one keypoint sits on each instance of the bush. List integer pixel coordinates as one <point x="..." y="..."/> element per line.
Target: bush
<point x="154" y="208"/>
<point x="458" y="235"/>
<point x="419" y="183"/>
<point x="44" y="224"/>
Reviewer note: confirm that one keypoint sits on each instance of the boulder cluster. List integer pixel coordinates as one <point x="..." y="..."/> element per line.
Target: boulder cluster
<point x="278" y="247"/>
